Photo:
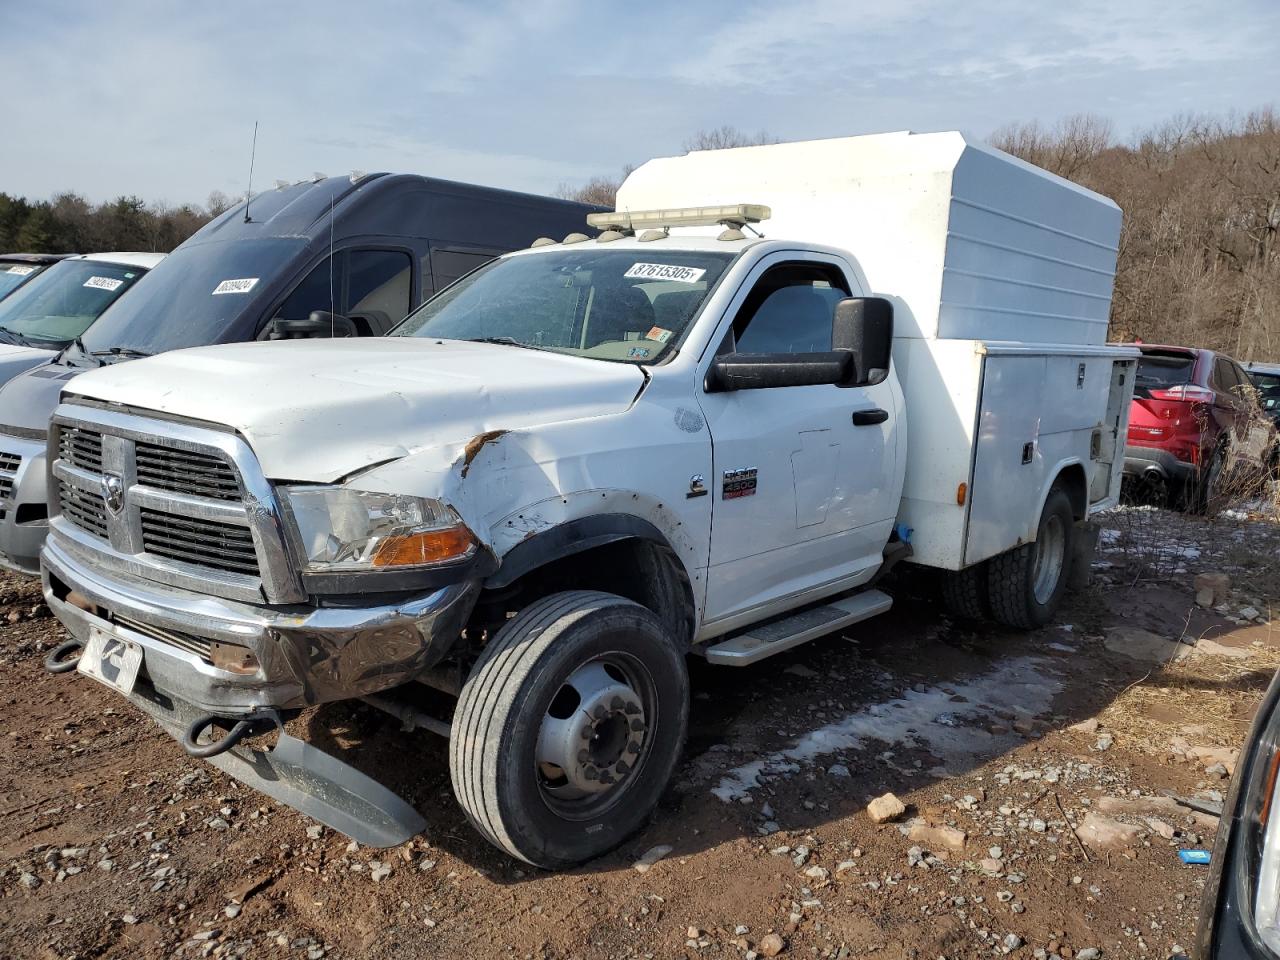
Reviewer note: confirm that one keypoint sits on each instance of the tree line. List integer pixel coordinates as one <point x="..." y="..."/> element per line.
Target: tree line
<point x="69" y="223"/>
<point x="1198" y="262"/>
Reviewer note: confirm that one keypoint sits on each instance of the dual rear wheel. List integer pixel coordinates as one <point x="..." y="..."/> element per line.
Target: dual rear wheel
<point x="1023" y="587"/>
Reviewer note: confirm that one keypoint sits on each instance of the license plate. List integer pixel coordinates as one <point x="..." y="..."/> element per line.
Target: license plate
<point x="111" y="659"/>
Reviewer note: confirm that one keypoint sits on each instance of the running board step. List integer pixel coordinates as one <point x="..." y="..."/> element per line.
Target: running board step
<point x="770" y="638"/>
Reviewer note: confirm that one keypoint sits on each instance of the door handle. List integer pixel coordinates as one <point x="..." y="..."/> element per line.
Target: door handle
<point x="867" y="418"/>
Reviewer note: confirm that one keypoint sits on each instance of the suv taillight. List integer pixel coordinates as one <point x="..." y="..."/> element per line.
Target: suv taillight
<point x="1184" y="391"/>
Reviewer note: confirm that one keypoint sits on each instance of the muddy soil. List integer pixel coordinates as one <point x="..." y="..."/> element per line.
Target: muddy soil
<point x="113" y="843"/>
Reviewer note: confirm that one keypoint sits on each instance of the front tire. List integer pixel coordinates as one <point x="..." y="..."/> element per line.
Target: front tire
<point x="1025" y="585"/>
<point x="569" y="728"/>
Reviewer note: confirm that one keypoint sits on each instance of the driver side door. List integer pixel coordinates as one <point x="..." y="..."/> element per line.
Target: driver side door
<point x="801" y="486"/>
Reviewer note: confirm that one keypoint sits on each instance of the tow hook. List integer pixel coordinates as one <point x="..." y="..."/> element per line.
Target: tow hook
<point x="241" y="729"/>
<point x="55" y="663"/>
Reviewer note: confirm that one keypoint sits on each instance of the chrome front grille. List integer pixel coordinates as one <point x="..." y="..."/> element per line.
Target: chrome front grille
<point x="182" y="471"/>
<point x="81" y="448"/>
<point x="178" y="503"/>
<point x="86" y="510"/>
<point x="208" y="543"/>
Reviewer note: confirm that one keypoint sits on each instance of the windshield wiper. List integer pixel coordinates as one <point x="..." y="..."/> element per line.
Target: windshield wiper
<point x="13" y="336"/>
<point x="120" y="353"/>
<point x="84" y="352"/>
<point x="505" y="341"/>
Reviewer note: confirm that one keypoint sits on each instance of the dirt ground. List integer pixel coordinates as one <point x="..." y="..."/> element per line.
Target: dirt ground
<point x="1055" y="747"/>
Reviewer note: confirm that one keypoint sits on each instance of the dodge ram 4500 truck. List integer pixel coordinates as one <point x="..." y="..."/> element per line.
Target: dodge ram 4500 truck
<point x="588" y="460"/>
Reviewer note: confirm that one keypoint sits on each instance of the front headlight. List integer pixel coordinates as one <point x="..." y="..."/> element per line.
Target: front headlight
<point x="343" y="530"/>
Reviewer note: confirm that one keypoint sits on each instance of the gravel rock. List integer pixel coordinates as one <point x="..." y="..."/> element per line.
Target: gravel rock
<point x="1088" y="727"/>
<point x="1089" y="953"/>
<point x="1217" y="584"/>
<point x="650" y="857"/>
<point x="380" y="872"/>
<point x="29" y="880"/>
<point x="837" y="770"/>
<point x="885" y="808"/>
<point x="315" y="832"/>
<point x="771" y="945"/>
<point x="938" y="838"/>
<point x="1012" y="941"/>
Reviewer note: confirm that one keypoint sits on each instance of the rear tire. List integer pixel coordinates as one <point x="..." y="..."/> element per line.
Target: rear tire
<point x="1025" y="585"/>
<point x="965" y="592"/>
<point x="569" y="728"/>
<point x="1206" y="497"/>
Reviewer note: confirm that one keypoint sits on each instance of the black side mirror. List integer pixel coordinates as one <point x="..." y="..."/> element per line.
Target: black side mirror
<point x="864" y="326"/>
<point x="320" y="324"/>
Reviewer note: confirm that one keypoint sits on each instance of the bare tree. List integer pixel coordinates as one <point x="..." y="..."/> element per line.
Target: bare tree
<point x="724" y="138"/>
<point x="218" y="203"/>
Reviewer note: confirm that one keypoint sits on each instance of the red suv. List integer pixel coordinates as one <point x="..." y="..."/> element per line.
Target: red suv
<point x="1195" y="419"/>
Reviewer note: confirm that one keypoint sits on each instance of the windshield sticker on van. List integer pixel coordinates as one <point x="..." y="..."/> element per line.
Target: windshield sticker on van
<point x="103" y="283"/>
<point x="661" y="334"/>
<point x="665" y="271"/>
<point x="20" y="270"/>
<point x="638" y="353"/>
<point x="236" y="286"/>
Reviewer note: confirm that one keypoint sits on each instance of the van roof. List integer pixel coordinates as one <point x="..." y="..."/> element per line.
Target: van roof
<point x="364" y="205"/>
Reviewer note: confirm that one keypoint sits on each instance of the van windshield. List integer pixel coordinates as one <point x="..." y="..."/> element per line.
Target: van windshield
<point x="617" y="305"/>
<point x="194" y="295"/>
<point x="60" y="304"/>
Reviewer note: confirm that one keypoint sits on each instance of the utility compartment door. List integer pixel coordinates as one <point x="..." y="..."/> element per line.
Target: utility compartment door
<point x="1008" y="469"/>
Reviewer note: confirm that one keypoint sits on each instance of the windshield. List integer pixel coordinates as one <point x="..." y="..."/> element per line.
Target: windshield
<point x="59" y="304"/>
<point x="1264" y="381"/>
<point x="618" y="305"/>
<point x="14" y="275"/>
<point x="194" y="295"/>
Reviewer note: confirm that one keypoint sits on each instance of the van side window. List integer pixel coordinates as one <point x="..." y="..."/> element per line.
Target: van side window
<point x="313" y="293"/>
<point x="448" y="265"/>
<point x="790" y="310"/>
<point x="379" y="288"/>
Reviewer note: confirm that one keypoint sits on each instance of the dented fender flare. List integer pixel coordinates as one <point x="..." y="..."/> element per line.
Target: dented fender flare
<point x="568" y="538"/>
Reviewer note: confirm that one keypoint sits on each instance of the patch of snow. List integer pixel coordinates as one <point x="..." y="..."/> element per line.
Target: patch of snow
<point x="1023" y="685"/>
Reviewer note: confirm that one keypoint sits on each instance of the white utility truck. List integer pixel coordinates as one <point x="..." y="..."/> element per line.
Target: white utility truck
<point x="708" y="430"/>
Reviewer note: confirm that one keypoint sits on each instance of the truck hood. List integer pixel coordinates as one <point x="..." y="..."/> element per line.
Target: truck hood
<point x="320" y="410"/>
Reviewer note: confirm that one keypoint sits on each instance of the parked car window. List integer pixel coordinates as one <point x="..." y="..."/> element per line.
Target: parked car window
<point x="379" y="286"/>
<point x="1224" y="376"/>
<point x="1159" y="370"/>
<point x="790" y="310"/>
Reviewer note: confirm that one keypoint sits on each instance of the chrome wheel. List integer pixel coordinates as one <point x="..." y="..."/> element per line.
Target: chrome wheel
<point x="1051" y="554"/>
<point x="592" y="737"/>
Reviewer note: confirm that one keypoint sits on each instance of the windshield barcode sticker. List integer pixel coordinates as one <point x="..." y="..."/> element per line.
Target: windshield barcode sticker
<point x="236" y="286"/>
<point x="665" y="271"/>
<point x="20" y="270"/>
<point x="103" y="283"/>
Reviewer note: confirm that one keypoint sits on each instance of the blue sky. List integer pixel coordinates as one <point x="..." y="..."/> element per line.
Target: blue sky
<point x="158" y="99"/>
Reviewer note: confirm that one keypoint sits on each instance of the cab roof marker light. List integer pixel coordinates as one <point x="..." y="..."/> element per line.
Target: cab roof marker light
<point x="281" y="184"/>
<point x="575" y="238"/>
<point x="358" y="175"/>
<point x="317" y="177"/>
<point x="542" y="242"/>
<point x="736" y="214"/>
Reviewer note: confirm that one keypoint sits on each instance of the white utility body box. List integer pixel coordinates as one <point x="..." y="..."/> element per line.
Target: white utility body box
<point x="1000" y="275"/>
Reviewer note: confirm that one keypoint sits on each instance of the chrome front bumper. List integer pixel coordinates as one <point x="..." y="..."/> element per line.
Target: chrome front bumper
<point x="306" y="655"/>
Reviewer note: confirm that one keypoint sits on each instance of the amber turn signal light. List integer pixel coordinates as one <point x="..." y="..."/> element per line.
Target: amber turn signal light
<point x="962" y="493"/>
<point x="419" y="549"/>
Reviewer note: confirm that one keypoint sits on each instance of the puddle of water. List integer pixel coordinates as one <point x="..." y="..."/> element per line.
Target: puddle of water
<point x="1024" y="686"/>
